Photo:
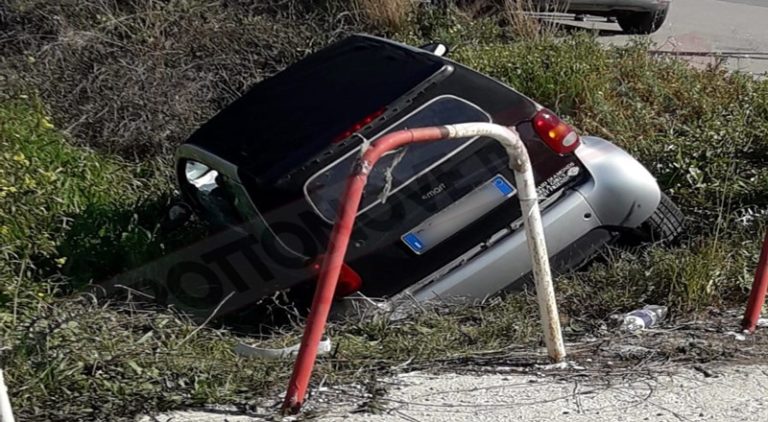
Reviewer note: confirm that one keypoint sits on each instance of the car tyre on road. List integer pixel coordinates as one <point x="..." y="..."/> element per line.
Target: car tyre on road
<point x="642" y="22"/>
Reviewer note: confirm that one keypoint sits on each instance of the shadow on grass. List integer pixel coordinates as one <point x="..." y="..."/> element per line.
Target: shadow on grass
<point x="105" y="240"/>
<point x="568" y="28"/>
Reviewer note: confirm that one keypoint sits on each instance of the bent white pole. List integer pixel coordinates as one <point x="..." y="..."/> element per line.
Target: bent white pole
<point x="520" y="162"/>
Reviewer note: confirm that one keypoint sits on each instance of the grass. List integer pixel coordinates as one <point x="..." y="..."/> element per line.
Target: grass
<point x="702" y="134"/>
<point x="390" y="14"/>
<point x="46" y="180"/>
<point x="515" y="12"/>
<point x="193" y="56"/>
<point x="74" y="207"/>
<point x="65" y="209"/>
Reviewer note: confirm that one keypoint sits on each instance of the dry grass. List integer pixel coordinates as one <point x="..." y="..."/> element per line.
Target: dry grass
<point x="388" y="15"/>
<point x="136" y="77"/>
<point x="518" y="14"/>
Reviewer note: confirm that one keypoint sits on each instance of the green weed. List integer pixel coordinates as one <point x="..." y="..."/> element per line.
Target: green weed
<point x="70" y="215"/>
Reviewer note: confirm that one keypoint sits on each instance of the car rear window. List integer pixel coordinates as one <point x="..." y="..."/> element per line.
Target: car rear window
<point x="286" y="119"/>
<point x="324" y="189"/>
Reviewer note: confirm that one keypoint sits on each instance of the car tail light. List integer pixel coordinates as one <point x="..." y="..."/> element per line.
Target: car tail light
<point x="557" y="134"/>
<point x="359" y="125"/>
<point x="349" y="280"/>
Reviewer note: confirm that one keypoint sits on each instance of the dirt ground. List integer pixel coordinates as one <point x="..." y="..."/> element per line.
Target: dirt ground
<point x="694" y="371"/>
<point x="718" y="393"/>
<point x="728" y="394"/>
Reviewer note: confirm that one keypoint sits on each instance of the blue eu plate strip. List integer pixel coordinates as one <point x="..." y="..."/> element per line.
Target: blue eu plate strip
<point x="505" y="188"/>
<point x="413" y="242"/>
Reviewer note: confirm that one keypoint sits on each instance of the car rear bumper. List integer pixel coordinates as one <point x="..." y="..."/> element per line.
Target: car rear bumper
<point x="620" y="193"/>
<point x="593" y="6"/>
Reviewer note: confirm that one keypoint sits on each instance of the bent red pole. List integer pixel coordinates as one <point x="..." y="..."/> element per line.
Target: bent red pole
<point x="759" y="290"/>
<point x="342" y="231"/>
<point x="334" y="258"/>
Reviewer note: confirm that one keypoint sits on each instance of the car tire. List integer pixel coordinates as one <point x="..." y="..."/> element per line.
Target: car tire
<point x="642" y="22"/>
<point x="665" y="225"/>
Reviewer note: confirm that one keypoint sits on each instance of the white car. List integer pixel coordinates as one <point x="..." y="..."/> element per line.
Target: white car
<point x="634" y="16"/>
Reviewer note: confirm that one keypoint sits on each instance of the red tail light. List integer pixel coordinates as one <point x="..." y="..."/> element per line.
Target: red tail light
<point x="557" y="134"/>
<point x="359" y="125"/>
<point x="349" y="280"/>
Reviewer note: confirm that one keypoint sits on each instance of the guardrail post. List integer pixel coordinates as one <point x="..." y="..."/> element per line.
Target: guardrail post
<point x="519" y="162"/>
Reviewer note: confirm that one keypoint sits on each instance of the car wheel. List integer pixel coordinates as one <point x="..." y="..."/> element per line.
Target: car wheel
<point x="665" y="225"/>
<point x="642" y="22"/>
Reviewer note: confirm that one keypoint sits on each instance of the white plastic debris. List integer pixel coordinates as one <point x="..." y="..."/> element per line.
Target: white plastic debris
<point x="249" y="351"/>
<point x="560" y="365"/>
<point x="640" y="319"/>
<point x="762" y="323"/>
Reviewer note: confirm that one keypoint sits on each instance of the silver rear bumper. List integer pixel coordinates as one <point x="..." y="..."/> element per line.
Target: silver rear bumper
<point x="617" y="5"/>
<point x="620" y="193"/>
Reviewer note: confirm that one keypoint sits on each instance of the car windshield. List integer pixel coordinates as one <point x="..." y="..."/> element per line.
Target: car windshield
<point x="324" y="189"/>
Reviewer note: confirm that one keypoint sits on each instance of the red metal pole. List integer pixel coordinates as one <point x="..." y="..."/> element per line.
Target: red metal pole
<point x="759" y="288"/>
<point x="334" y="259"/>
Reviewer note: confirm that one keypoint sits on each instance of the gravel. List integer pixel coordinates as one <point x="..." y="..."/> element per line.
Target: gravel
<point x="735" y="393"/>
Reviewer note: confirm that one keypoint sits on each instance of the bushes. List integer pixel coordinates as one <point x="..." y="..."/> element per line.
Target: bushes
<point x="134" y="77"/>
<point x="70" y="215"/>
<point x="46" y="182"/>
<point x="46" y="187"/>
<point x="705" y="273"/>
<point x="694" y="129"/>
<point x="703" y="134"/>
<point x="391" y="15"/>
<point x="83" y="361"/>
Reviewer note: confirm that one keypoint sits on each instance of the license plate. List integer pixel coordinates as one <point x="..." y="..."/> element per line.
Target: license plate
<point x="458" y="215"/>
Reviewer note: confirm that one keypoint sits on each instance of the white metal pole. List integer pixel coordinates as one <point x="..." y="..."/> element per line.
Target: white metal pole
<point x="520" y="162"/>
<point x="6" y="414"/>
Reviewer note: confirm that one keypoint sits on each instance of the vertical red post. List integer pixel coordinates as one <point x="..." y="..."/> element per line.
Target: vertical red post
<point x="324" y="293"/>
<point x="759" y="288"/>
<point x="334" y="259"/>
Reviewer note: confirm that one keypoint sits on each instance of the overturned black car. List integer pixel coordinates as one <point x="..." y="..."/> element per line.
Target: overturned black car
<point x="273" y="164"/>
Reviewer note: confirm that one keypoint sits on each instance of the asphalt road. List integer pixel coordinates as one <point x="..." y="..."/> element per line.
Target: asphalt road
<point x="706" y="26"/>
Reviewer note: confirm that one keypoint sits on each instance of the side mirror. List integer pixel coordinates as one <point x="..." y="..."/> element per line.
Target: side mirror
<point x="436" y="48"/>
